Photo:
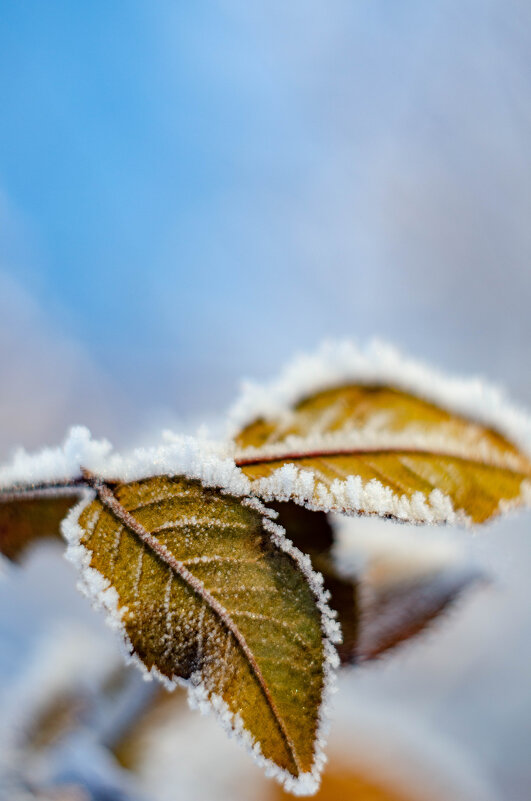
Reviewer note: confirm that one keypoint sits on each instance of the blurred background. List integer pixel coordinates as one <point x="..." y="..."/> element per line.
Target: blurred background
<point x="191" y="193"/>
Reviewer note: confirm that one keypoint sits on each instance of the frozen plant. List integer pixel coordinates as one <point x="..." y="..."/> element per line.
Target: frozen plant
<point x="217" y="563"/>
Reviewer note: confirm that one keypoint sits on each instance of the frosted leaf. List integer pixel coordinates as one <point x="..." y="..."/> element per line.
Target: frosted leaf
<point x="30" y="515"/>
<point x="404" y="581"/>
<point x="206" y="591"/>
<point x="369" y="432"/>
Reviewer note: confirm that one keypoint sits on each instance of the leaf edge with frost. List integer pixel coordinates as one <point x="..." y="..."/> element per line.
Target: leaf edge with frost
<point x="337" y="364"/>
<point x="103" y="596"/>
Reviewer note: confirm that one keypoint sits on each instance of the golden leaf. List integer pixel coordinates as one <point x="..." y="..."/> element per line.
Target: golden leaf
<point x="207" y="591"/>
<point x="28" y="515"/>
<point x="371" y="449"/>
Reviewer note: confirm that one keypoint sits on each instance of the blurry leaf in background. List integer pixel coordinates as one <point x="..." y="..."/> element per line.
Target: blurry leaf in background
<point x="393" y="607"/>
<point x="62" y="714"/>
<point x="389" y="596"/>
<point x="204" y="592"/>
<point x="398" y="447"/>
<point x="27" y="515"/>
<point x="69" y="690"/>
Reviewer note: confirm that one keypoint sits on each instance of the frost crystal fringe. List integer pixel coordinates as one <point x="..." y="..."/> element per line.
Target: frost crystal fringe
<point x="201" y="459"/>
<point x="336" y="363"/>
<point x="353" y="496"/>
<point x="55" y="464"/>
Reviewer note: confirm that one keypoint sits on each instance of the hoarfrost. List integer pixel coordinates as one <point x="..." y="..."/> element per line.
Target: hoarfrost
<point x="336" y="363"/>
<point x="58" y="464"/>
<point x="354" y="496"/>
<point x="208" y="461"/>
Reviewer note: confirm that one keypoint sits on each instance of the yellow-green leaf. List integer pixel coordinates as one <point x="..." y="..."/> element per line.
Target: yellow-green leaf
<point x="28" y="515"/>
<point x="207" y="591"/>
<point x="380" y="450"/>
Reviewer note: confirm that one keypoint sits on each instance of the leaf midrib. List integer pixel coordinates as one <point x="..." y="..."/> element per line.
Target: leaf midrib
<point x="323" y="453"/>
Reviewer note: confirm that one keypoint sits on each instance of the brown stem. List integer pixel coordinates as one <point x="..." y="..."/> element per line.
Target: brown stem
<point x="318" y="454"/>
<point x="35" y="491"/>
<point x="323" y="453"/>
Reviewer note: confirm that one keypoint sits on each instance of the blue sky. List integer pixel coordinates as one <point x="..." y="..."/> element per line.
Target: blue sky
<point x="136" y="148"/>
<point x="191" y="192"/>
